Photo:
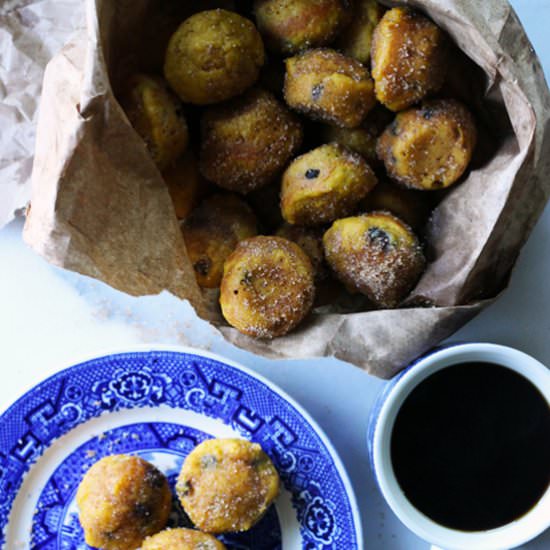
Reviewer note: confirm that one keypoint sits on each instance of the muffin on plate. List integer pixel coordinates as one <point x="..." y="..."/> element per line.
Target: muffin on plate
<point x="182" y="539"/>
<point x="121" y="501"/>
<point x="227" y="485"/>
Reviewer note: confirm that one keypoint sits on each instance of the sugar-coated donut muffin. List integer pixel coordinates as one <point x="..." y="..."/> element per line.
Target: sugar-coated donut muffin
<point x="248" y="141"/>
<point x="429" y="147"/>
<point x="121" y="501"/>
<point x="213" y="56"/>
<point x="409" y="58"/>
<point x="329" y="86"/>
<point x="408" y="205"/>
<point x="211" y="232"/>
<point x="324" y="184"/>
<point x="185" y="183"/>
<point x="227" y="485"/>
<point x="267" y="287"/>
<point x="356" y="41"/>
<point x="290" y="26"/>
<point x="154" y="112"/>
<point x="375" y="254"/>
<point x="362" y="139"/>
<point x="182" y="539"/>
<point x="310" y="240"/>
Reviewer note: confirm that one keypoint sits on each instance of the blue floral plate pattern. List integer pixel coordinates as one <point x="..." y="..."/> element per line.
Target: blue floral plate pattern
<point x="160" y="405"/>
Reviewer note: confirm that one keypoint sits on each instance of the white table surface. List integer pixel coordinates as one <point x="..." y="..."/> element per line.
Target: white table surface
<point x="49" y="317"/>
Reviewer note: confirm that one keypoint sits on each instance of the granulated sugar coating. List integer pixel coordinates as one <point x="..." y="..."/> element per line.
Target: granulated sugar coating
<point x="213" y="56"/>
<point x="153" y="111"/>
<point x="182" y="539"/>
<point x="290" y="26"/>
<point x="409" y="58"/>
<point x="212" y="232"/>
<point x="329" y="86"/>
<point x="429" y="147"/>
<point x="356" y="41"/>
<point x="248" y="141"/>
<point x="121" y="501"/>
<point x="227" y="485"/>
<point x="267" y="287"/>
<point x="362" y="139"/>
<point x="413" y="207"/>
<point x="375" y="254"/>
<point x="310" y="240"/>
<point x="324" y="184"/>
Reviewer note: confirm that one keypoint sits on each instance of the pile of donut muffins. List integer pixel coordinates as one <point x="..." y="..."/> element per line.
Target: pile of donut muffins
<point x="225" y="486"/>
<point x="302" y="143"/>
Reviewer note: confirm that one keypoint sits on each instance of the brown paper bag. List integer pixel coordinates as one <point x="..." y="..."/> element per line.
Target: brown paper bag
<point x="100" y="207"/>
<point x="31" y="33"/>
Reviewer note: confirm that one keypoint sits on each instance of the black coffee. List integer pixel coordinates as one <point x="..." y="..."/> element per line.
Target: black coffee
<point x="471" y="446"/>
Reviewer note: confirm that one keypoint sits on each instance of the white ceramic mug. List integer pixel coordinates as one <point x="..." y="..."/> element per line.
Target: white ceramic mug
<point x="381" y="424"/>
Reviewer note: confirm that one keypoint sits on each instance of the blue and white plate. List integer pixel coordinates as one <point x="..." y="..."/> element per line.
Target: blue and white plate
<point x="160" y="405"/>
